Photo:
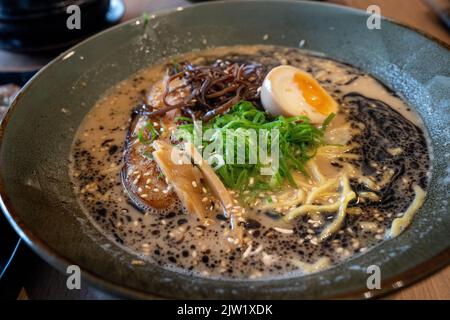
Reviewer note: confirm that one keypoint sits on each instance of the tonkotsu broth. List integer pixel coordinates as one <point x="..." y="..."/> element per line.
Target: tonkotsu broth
<point x="386" y="134"/>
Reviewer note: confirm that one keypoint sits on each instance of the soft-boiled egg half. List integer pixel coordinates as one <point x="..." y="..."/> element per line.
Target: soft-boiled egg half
<point x="289" y="91"/>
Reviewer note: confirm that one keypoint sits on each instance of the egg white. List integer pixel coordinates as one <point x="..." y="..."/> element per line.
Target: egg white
<point x="280" y="95"/>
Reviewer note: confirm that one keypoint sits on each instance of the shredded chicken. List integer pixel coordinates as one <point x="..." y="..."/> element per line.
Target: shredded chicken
<point x="185" y="178"/>
<point x="219" y="190"/>
<point x="213" y="181"/>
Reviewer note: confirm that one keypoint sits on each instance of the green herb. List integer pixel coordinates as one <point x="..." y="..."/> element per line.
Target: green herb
<point x="298" y="141"/>
<point x="148" y="154"/>
<point x="327" y="121"/>
<point x="182" y="119"/>
<point x="269" y="199"/>
<point x="145" y="19"/>
<point x="147" y="134"/>
<point x="175" y="66"/>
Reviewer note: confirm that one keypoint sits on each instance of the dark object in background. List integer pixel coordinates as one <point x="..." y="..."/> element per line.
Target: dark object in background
<point x="442" y="9"/>
<point x="36" y="25"/>
<point x="7" y="94"/>
<point x="9" y="246"/>
<point x="10" y="243"/>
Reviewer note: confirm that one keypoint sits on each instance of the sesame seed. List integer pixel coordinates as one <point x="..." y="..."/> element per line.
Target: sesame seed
<point x="355" y="244"/>
<point x="285" y="231"/>
<point x="137" y="262"/>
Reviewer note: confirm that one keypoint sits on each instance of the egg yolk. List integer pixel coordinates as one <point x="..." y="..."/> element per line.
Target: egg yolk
<point x="313" y="93"/>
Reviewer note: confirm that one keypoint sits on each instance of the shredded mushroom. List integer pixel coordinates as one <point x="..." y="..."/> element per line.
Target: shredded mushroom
<point x="212" y="90"/>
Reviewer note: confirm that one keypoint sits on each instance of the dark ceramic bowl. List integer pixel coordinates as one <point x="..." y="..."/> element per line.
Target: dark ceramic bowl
<point x="36" y="136"/>
<point x="40" y="26"/>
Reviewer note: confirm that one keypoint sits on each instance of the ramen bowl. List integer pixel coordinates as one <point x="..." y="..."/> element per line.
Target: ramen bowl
<point x="37" y="133"/>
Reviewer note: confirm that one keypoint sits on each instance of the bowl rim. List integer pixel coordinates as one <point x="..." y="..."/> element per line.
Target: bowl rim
<point x="58" y="260"/>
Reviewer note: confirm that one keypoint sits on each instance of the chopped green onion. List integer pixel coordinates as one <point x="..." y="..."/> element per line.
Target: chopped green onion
<point x="147" y="134"/>
<point x="148" y="154"/>
<point x="182" y="119"/>
<point x="298" y="142"/>
<point x="146" y="19"/>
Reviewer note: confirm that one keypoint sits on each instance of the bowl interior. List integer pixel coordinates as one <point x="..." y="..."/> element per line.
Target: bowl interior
<point x="39" y="129"/>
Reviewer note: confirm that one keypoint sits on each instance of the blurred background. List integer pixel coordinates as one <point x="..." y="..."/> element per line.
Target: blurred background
<point x="32" y="32"/>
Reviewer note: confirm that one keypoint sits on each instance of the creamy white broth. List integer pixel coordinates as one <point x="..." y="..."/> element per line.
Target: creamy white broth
<point x="274" y="247"/>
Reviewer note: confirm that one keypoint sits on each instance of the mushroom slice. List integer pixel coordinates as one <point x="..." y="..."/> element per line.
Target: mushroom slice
<point x="141" y="176"/>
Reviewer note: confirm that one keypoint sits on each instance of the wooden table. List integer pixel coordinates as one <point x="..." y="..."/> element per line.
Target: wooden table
<point x="416" y="13"/>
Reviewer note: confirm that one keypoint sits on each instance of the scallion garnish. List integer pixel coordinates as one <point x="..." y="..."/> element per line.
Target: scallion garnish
<point x="147" y="134"/>
<point x="298" y="142"/>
